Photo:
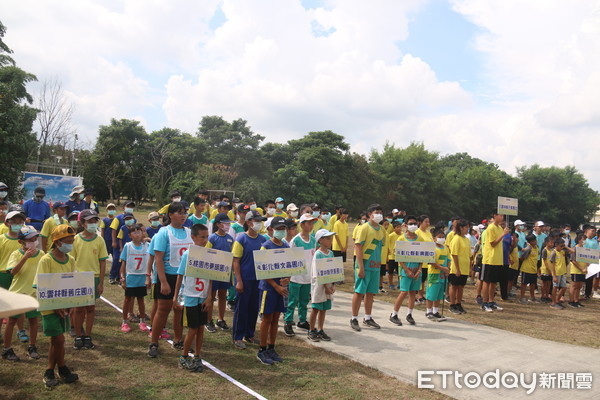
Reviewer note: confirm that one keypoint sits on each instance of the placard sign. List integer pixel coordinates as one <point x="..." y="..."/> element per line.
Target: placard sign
<point x="585" y="255"/>
<point x="211" y="264"/>
<point x="329" y="270"/>
<point x="65" y="290"/>
<point x="418" y="252"/>
<point x="279" y="263"/>
<point x="508" y="206"/>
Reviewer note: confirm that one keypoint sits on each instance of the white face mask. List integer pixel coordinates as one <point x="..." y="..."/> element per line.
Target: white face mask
<point x="270" y="211"/>
<point x="176" y="199"/>
<point x="412" y="228"/>
<point x="3" y="194"/>
<point x="293" y="214"/>
<point x="377" y="218"/>
<point x="31" y="245"/>
<point x="253" y="206"/>
<point x="226" y="227"/>
<point x="440" y="241"/>
<point x="129" y="210"/>
<point x="92" y="228"/>
<point x="257" y="226"/>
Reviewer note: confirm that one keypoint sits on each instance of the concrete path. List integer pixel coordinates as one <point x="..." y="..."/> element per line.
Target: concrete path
<point x="455" y="345"/>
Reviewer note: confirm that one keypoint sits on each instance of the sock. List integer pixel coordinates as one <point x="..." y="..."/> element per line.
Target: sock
<point x="263" y="348"/>
<point x="429" y="311"/>
<point x="367" y="316"/>
<point x="355" y="317"/>
<point x="435" y="310"/>
<point x="394" y="313"/>
<point x="271" y="346"/>
<point x="409" y="312"/>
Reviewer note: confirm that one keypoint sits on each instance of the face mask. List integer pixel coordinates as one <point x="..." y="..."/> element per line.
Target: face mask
<point x="226" y="227"/>
<point x="253" y="206"/>
<point x="155" y="224"/>
<point x="377" y="218"/>
<point x="257" y="226"/>
<point x="270" y="211"/>
<point x="30" y="245"/>
<point x="74" y="224"/>
<point x="440" y="240"/>
<point x="3" y="194"/>
<point x="81" y="196"/>
<point x="66" y="248"/>
<point x="316" y="214"/>
<point x="16" y="228"/>
<point x="326" y="217"/>
<point x="112" y="213"/>
<point x="129" y="222"/>
<point x="412" y="228"/>
<point x="280" y="206"/>
<point x="176" y="199"/>
<point x="567" y="231"/>
<point x="92" y="228"/>
<point x="293" y="214"/>
<point x="279" y="234"/>
<point x="389" y="220"/>
<point x="38" y="199"/>
<point x="401" y="220"/>
<point x="129" y="210"/>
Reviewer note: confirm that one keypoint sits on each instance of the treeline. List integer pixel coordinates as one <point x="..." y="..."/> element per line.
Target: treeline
<point x="319" y="167"/>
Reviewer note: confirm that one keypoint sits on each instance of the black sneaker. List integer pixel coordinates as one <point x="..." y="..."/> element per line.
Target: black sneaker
<point x="288" y="329"/>
<point x="230" y="305"/>
<point x="313" y="336"/>
<point x="429" y="315"/>
<point x="153" y="350"/>
<point x="9" y="355"/>
<point x="410" y="319"/>
<point x="303" y="325"/>
<point x="223" y="325"/>
<point x="454" y="309"/>
<point x="371" y="322"/>
<point x="460" y="308"/>
<point x="274" y="356"/>
<point x="87" y="343"/>
<point x="439" y="317"/>
<point x="324" y="336"/>
<point x="572" y="304"/>
<point x="354" y="324"/>
<point x="210" y="326"/>
<point x="66" y="375"/>
<point x="50" y="379"/>
<point x="32" y="352"/>
<point x="177" y="345"/>
<point x="78" y="343"/>
<point x="394" y="319"/>
<point x="263" y="357"/>
<point x="579" y="305"/>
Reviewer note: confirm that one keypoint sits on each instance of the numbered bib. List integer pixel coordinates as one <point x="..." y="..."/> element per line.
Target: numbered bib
<point x="137" y="260"/>
<point x="177" y="247"/>
<point x="195" y="287"/>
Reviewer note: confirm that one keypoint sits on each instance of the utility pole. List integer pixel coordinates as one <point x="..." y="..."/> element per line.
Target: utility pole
<point x="73" y="158"/>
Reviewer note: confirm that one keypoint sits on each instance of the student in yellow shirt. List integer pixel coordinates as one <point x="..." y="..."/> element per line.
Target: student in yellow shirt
<point x="437" y="277"/>
<point x="292" y="211"/>
<point x="356" y="231"/>
<point x="3" y="211"/>
<point x="23" y="265"/>
<point x="60" y="211"/>
<point x="56" y="322"/>
<point x="89" y="251"/>
<point x="529" y="270"/>
<point x="336" y="215"/>
<point x="279" y="205"/>
<point x="493" y="259"/>
<point x="251" y="203"/>
<point x="392" y="264"/>
<point x="385" y="224"/>
<point x="316" y="212"/>
<point x="578" y="272"/>
<point x="558" y="267"/>
<point x="545" y="274"/>
<point x="460" y="248"/>
<point x="424" y="234"/>
<point x="513" y="262"/>
<point x="340" y="239"/>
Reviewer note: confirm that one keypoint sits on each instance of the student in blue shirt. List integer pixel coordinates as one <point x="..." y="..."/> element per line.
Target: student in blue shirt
<point x="76" y="202"/>
<point x="36" y="209"/>
<point x="154" y="220"/>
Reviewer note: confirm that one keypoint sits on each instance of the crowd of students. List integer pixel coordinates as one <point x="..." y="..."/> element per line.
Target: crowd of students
<point x="152" y="259"/>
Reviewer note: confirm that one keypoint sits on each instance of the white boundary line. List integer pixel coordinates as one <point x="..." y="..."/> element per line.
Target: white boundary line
<point x="209" y="365"/>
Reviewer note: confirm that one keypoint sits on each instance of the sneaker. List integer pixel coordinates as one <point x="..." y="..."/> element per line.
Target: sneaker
<point x="22" y="335"/>
<point x="447" y="299"/>
<point x="572" y="304"/>
<point x="324" y="336"/>
<point x="87" y="343"/>
<point x="78" y="343"/>
<point x="153" y="350"/>
<point x="165" y="335"/>
<point x="556" y="306"/>
<point x="454" y="309"/>
<point x="222" y="324"/>
<point x="479" y="300"/>
<point x="250" y="340"/>
<point x="354" y="324"/>
<point x="562" y="306"/>
<point x="211" y="327"/>
<point x="579" y="305"/>
<point x="288" y="329"/>
<point x="410" y="319"/>
<point x="112" y="281"/>
<point x="144" y="327"/>
<point x="239" y="344"/>
<point x="429" y="315"/>
<point x="371" y="322"/>
<point x="313" y="336"/>
<point x="198" y="365"/>
<point x="394" y="319"/>
<point x="274" y="356"/>
<point x="381" y="290"/>
<point x="439" y="317"/>
<point x="596" y="295"/>
<point x="66" y="375"/>
<point x="32" y="352"/>
<point x="177" y="345"/>
<point x="534" y="300"/>
<point x="303" y="325"/>
<point x="487" y="307"/>
<point x="264" y="358"/>
<point x="461" y="309"/>
<point x="9" y="355"/>
<point x="523" y="300"/>
<point x="125" y="328"/>
<point x="496" y="307"/>
<point x="50" y="379"/>
<point x="186" y="362"/>
<point x="133" y="318"/>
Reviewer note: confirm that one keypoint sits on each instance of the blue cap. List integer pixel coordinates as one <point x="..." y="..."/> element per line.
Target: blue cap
<point x="279" y="200"/>
<point x="222" y="217"/>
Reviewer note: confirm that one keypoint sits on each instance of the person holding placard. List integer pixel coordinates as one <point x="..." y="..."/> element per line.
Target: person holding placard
<point x="134" y="259"/>
<point x="246" y="306"/>
<point x="219" y="240"/>
<point x="22" y="265"/>
<point x="493" y="261"/>
<point x="424" y="235"/>
<point x="169" y="245"/>
<point x="197" y="297"/>
<point x="322" y="295"/>
<point x="578" y="272"/>
<point x="272" y="292"/>
<point x="299" y="287"/>
<point x="368" y="246"/>
<point x="437" y="277"/>
<point x="410" y="281"/>
<point x="89" y="251"/>
<point x="56" y="322"/>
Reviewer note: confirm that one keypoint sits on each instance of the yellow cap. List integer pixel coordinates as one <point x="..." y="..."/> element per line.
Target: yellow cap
<point x="62" y="231"/>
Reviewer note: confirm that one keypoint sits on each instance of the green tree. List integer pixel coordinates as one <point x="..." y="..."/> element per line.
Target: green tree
<point x="17" y="139"/>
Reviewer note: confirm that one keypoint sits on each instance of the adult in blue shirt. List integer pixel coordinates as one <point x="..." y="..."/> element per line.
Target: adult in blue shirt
<point x="591" y="242"/>
<point x="36" y="209"/>
<point x="76" y="202"/>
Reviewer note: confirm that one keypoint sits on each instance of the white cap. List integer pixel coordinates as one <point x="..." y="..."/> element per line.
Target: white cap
<point x="395" y="210"/>
<point x="323" y="233"/>
<point x="481" y="226"/>
<point x="76" y="190"/>
<point x="539" y="223"/>
<point x="306" y="217"/>
<point x="519" y="222"/>
<point x="291" y="207"/>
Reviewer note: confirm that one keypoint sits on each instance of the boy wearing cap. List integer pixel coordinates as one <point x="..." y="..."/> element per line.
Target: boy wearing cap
<point x="56" y="322"/>
<point x="89" y="251"/>
<point x="538" y="231"/>
<point x="292" y="211"/>
<point x="8" y="244"/>
<point x="522" y="236"/>
<point x="60" y="211"/>
<point x="279" y="204"/>
<point x="22" y="265"/>
<point x="36" y="209"/>
<point x="369" y="244"/>
<point x="154" y="221"/>
<point x="291" y="230"/>
<point x="116" y="225"/>
<point x="219" y="240"/>
<point x="299" y="287"/>
<point x="75" y="202"/>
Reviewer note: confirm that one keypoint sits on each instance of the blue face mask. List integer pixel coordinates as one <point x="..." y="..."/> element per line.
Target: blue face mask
<point x="279" y="234"/>
<point x="66" y="248"/>
<point x="129" y="210"/>
<point x="316" y="214"/>
<point x="389" y="220"/>
<point x="401" y="220"/>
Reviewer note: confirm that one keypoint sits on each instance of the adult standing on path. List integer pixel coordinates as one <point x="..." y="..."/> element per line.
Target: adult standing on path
<point x="36" y="209"/>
